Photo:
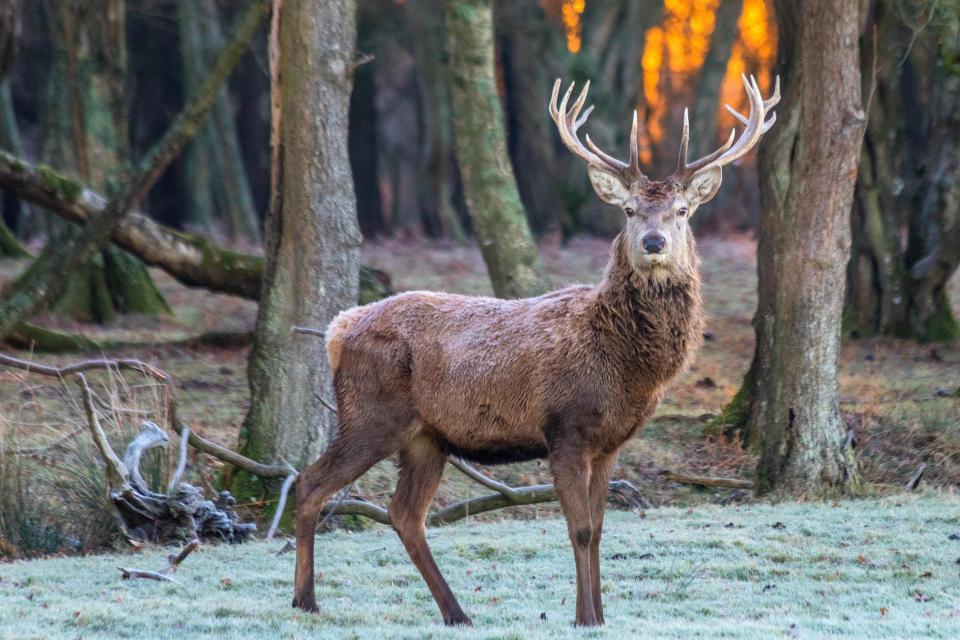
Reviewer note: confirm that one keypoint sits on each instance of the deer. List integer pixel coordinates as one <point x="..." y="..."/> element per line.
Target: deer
<point x="569" y="376"/>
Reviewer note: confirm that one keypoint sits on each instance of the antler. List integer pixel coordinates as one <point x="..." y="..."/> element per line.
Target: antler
<point x="569" y="122"/>
<point x="755" y="126"/>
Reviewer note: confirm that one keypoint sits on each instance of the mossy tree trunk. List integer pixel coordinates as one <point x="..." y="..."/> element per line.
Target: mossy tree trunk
<point x="92" y="34"/>
<point x="9" y="135"/>
<point x="808" y="166"/>
<point x="910" y="172"/>
<point x="313" y="238"/>
<point x="217" y="178"/>
<point x="499" y="221"/>
<point x="43" y="282"/>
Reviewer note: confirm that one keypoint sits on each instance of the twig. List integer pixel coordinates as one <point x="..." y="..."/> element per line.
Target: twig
<point x="197" y="442"/>
<point x="288" y="545"/>
<point x="310" y="331"/>
<point x="114" y="464"/>
<point x="175" y="560"/>
<point x="281" y="503"/>
<point x="127" y="574"/>
<point x="706" y="481"/>
<point x="150" y="436"/>
<point x="916" y="477"/>
<point x="333" y="509"/>
<point x="474" y="474"/>
<point x="182" y="462"/>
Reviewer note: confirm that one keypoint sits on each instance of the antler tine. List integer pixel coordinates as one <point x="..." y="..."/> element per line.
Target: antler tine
<point x="755" y="125"/>
<point x="684" y="141"/>
<point x="634" y="145"/>
<point x="568" y="122"/>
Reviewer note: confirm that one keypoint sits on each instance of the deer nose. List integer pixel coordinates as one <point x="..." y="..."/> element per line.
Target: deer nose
<point x="653" y="242"/>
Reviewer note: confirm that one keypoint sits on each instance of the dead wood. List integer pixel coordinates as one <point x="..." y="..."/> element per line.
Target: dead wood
<point x="706" y="481"/>
<point x="155" y="517"/>
<point x="914" y="480"/>
<point x="128" y="574"/>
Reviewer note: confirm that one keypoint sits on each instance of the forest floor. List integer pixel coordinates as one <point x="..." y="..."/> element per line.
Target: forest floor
<point x="877" y="568"/>
<point x="900" y="397"/>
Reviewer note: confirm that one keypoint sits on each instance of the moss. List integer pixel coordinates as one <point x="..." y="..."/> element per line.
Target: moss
<point x="62" y="187"/>
<point x="130" y="286"/>
<point x="28" y="336"/>
<point x="9" y="245"/>
<point x="942" y="326"/>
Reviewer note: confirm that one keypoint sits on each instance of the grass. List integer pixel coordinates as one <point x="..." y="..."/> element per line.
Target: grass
<point x="867" y="569"/>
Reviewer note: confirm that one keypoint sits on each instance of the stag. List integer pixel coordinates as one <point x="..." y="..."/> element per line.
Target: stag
<point x="568" y="376"/>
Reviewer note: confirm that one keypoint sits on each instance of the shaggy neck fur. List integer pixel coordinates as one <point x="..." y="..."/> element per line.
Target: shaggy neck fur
<point x="650" y="320"/>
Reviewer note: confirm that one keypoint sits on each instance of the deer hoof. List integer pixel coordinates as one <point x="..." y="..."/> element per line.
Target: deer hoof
<point x="461" y="620"/>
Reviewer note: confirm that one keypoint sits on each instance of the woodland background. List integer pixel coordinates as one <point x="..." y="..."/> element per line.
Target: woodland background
<point x="204" y="263"/>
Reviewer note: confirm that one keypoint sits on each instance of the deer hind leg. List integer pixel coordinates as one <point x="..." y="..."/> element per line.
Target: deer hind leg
<point x="421" y="467"/>
<point x="348" y="457"/>
<point x="601" y="470"/>
<point x="571" y="474"/>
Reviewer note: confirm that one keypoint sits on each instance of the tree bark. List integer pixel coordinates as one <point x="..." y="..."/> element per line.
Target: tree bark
<point x="94" y="49"/>
<point x="499" y="222"/>
<point x="908" y="179"/>
<point x="193" y="260"/>
<point x="312" y="234"/>
<point x="808" y="167"/>
<point x="525" y="38"/>
<point x="44" y="280"/>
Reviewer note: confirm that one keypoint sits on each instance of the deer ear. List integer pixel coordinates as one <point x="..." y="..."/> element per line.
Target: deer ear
<point x="609" y="187"/>
<point x="703" y="186"/>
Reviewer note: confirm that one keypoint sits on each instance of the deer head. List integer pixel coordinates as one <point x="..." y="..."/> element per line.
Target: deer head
<point x="657" y="211"/>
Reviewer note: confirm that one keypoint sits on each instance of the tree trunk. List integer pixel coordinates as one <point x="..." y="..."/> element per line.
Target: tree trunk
<point x="44" y="281"/>
<point x="908" y="179"/>
<point x="312" y="234"/>
<point x="93" y="37"/>
<point x="808" y="166"/>
<point x="499" y="222"/>
<point x="437" y="164"/>
<point x="525" y="38"/>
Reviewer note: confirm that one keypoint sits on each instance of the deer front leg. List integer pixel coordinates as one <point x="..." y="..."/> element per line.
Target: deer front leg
<point x="571" y="474"/>
<point x="601" y="470"/>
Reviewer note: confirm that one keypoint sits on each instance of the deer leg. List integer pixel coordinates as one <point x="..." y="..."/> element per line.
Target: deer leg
<point x="571" y="474"/>
<point x="347" y="458"/>
<point x="421" y="467"/>
<point x="599" y="478"/>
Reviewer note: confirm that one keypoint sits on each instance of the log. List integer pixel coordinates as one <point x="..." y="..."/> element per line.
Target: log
<point x="191" y="259"/>
<point x="706" y="481"/>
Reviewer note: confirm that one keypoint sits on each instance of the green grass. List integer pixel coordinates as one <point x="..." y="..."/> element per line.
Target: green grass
<point x="804" y="570"/>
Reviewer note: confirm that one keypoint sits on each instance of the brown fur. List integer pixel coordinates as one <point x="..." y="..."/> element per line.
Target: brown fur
<point x="570" y="375"/>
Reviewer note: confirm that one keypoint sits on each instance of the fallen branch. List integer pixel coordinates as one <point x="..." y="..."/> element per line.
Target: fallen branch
<point x="175" y="560"/>
<point x="181" y="461"/>
<point x="200" y="444"/>
<point x="44" y="280"/>
<point x="128" y="574"/>
<point x="281" y="503"/>
<point x="191" y="259"/>
<point x="706" y="481"/>
<point x="914" y="480"/>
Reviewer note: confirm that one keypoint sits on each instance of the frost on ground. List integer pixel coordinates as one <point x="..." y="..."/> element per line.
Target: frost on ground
<point x="867" y="569"/>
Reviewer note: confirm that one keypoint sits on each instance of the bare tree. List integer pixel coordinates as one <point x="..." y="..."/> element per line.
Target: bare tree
<point x="312" y="234"/>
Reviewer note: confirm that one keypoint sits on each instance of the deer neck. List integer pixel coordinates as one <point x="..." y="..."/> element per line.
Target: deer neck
<point x="651" y="322"/>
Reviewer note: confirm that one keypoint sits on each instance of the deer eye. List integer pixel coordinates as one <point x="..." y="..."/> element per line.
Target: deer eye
<point x="683" y="211"/>
<point x="629" y="211"/>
